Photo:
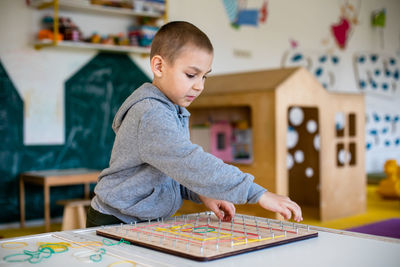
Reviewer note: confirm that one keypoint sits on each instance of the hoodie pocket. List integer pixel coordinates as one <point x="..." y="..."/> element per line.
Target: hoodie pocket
<point x="156" y="204"/>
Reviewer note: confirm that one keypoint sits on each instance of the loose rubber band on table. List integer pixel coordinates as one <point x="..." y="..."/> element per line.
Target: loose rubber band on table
<point x="23" y="244"/>
<point x="83" y="256"/>
<point x="108" y="242"/>
<point x="55" y="247"/>
<point x="121" y="262"/>
<point x="44" y="251"/>
<point x="87" y="243"/>
<point x="98" y="257"/>
<point x="54" y="243"/>
<point x="76" y="244"/>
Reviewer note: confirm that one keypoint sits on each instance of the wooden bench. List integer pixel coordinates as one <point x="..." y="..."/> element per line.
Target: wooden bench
<point x="74" y="216"/>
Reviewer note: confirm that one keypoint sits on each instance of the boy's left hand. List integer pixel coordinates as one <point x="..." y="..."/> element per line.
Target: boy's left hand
<point x="281" y="204"/>
<point x="224" y="210"/>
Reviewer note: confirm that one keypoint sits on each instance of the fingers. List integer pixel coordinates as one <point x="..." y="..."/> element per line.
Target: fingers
<point x="296" y="210"/>
<point x="282" y="205"/>
<point x="229" y="211"/>
<point x="290" y="208"/>
<point x="224" y="210"/>
<point x="285" y="212"/>
<point x="214" y="208"/>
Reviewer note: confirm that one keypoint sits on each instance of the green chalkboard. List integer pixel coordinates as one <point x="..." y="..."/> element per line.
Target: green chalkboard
<point x="11" y="123"/>
<point x="92" y="97"/>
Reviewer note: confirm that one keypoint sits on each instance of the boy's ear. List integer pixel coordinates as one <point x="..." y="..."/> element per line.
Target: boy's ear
<point x="157" y="65"/>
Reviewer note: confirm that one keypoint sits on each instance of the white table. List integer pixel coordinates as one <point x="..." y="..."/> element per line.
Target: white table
<point x="330" y="248"/>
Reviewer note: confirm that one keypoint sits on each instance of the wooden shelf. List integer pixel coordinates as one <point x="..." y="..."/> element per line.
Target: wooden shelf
<point x="85" y="6"/>
<point x="78" y="5"/>
<point x="101" y="47"/>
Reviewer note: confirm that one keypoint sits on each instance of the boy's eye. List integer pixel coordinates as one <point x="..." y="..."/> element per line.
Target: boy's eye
<point x="190" y="75"/>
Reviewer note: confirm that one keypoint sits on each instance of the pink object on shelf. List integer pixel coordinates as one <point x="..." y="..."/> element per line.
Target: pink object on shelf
<point x="221" y="135"/>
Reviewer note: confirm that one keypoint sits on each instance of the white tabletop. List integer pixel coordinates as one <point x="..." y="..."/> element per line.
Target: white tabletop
<point x="332" y="248"/>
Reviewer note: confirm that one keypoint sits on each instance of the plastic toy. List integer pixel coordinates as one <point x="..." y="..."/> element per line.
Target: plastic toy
<point x="48" y="35"/>
<point x="221" y="135"/>
<point x="390" y="186"/>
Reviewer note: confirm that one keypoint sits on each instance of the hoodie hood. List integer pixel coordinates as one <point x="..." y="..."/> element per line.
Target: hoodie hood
<point x="146" y="91"/>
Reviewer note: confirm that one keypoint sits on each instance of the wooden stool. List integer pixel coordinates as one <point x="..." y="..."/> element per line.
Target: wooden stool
<point x="74" y="216"/>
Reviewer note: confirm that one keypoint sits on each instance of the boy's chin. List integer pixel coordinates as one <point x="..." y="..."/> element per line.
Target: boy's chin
<point x="184" y="104"/>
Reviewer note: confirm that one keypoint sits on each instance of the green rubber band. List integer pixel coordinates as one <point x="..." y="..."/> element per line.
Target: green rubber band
<point x="206" y="230"/>
<point x="7" y="258"/>
<point x="94" y="259"/>
<point x="98" y="257"/>
<point x="108" y="242"/>
<point x="44" y="251"/>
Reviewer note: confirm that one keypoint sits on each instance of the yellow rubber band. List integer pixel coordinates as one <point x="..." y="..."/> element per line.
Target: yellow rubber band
<point x="86" y="244"/>
<point x="256" y="240"/>
<point x="54" y="246"/>
<point x="73" y="245"/>
<point x="121" y="262"/>
<point x="19" y="245"/>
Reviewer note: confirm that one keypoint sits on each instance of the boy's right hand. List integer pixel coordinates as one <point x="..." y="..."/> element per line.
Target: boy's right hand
<point x="281" y="204"/>
<point x="224" y="210"/>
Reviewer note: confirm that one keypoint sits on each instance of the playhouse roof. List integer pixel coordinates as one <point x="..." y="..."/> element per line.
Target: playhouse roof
<point x="248" y="81"/>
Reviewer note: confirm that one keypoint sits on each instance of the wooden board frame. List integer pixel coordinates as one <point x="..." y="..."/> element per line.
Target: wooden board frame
<point x="181" y="237"/>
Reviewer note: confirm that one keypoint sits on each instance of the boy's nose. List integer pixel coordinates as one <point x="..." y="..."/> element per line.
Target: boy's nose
<point x="199" y="85"/>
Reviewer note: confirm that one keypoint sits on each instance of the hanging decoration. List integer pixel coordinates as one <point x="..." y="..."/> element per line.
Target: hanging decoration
<point x="240" y="15"/>
<point x="378" y="21"/>
<point x="342" y="30"/>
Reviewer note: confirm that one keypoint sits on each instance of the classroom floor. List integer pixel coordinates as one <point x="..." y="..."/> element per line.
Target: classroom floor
<point x="377" y="210"/>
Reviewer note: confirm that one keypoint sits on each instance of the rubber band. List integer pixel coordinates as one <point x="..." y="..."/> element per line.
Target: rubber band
<point x="83" y="256"/>
<point x="98" y="257"/>
<point x="55" y="243"/>
<point x="223" y="235"/>
<point x="86" y="244"/>
<point x="44" y="251"/>
<point x="108" y="242"/>
<point x="121" y="262"/>
<point x="206" y="230"/>
<point x="21" y="245"/>
<point x="56" y="247"/>
<point x="36" y="255"/>
<point x="8" y="258"/>
<point x="33" y="256"/>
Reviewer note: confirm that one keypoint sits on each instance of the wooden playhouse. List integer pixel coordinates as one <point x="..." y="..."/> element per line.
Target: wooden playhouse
<point x="307" y="143"/>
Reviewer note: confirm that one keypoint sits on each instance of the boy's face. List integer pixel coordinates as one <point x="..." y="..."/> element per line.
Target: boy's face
<point x="183" y="80"/>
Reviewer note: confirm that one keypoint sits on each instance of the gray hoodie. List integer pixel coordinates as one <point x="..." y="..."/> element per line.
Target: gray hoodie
<point x="154" y="165"/>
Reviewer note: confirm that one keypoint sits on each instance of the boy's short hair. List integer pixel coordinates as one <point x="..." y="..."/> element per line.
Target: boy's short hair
<point x="172" y="37"/>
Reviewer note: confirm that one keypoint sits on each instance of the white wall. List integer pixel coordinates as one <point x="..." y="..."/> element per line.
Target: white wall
<point x="38" y="73"/>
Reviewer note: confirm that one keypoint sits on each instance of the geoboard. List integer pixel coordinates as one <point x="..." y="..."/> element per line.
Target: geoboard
<point x="203" y="237"/>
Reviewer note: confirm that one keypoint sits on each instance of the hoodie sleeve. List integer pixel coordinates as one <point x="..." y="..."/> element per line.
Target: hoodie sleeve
<point x="163" y="145"/>
<point x="189" y="195"/>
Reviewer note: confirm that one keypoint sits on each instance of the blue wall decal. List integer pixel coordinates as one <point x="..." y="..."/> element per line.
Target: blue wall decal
<point x="377" y="73"/>
<point x="324" y="66"/>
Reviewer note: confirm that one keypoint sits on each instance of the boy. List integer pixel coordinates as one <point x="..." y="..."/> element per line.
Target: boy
<point x="153" y="164"/>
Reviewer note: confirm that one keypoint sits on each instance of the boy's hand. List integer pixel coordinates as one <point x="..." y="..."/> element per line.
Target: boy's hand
<point x="224" y="210"/>
<point x="281" y="204"/>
